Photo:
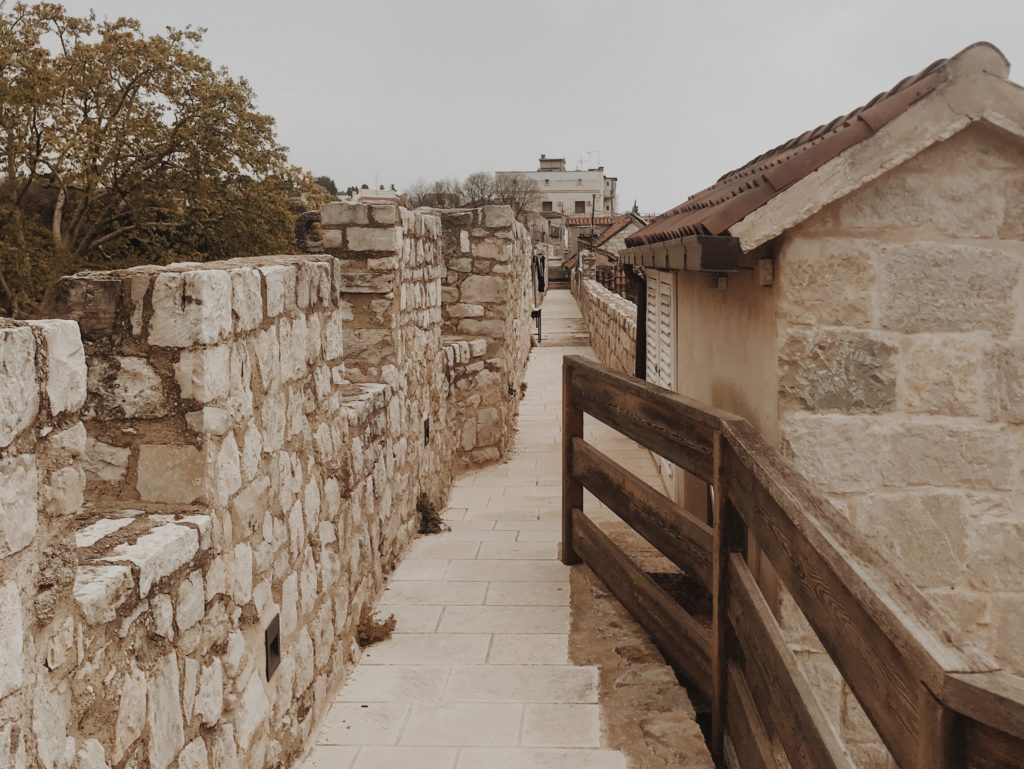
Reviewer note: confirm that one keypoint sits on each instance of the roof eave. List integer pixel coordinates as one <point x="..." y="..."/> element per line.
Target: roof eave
<point x="695" y="253"/>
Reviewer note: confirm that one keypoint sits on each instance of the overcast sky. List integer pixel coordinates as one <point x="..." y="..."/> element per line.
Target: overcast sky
<point x="671" y="94"/>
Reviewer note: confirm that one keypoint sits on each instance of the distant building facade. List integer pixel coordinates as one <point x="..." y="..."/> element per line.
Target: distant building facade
<point x="571" y="192"/>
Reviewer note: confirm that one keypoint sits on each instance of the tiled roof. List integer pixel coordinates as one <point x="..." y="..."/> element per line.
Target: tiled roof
<point x="620" y="223"/>
<point x="737" y="194"/>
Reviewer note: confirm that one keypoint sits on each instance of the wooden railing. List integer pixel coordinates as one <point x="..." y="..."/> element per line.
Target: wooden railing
<point x="936" y="702"/>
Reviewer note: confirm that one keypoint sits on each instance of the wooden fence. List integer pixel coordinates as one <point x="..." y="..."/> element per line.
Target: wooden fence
<point x="936" y="702"/>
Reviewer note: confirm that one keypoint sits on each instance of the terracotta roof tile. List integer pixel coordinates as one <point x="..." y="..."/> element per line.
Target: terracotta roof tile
<point x="713" y="210"/>
<point x="583" y="220"/>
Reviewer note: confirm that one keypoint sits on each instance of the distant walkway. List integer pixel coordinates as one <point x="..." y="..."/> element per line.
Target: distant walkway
<point x="477" y="675"/>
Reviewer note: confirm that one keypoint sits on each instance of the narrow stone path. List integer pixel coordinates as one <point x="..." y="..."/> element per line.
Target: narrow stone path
<point x="477" y="674"/>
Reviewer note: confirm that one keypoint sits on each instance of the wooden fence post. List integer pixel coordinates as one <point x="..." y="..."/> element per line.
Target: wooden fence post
<point x="572" y="490"/>
<point x="939" y="746"/>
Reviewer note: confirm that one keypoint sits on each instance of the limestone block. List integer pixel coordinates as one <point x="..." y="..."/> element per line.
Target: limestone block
<point x="209" y="420"/>
<point x="498" y="216"/>
<point x="1004" y="382"/>
<point x="12" y="640"/>
<point x="942" y="375"/>
<point x="105" y="462"/>
<point x="252" y="449"/>
<point x="91" y="756"/>
<point x="464" y="241"/>
<point x="461" y="265"/>
<point x="466" y="311"/>
<point x="227" y="469"/>
<point x="993" y="561"/>
<point x="100" y="590"/>
<point x="19" y="482"/>
<point x="191" y="603"/>
<point x="356" y="282"/>
<point x="51" y="713"/>
<point x="925" y="534"/>
<point x="194" y="755"/>
<point x="65" y="365"/>
<point x="171" y="474"/>
<point x="158" y="553"/>
<point x="250" y="504"/>
<point x="131" y="712"/>
<point x="949" y="454"/>
<point x="840" y="454"/>
<point x="204" y="374"/>
<point x="68" y="443"/>
<point x="241" y="588"/>
<point x="293" y="348"/>
<point x="935" y="287"/>
<point x="163" y="713"/>
<point x="125" y="387"/>
<point x="384" y="214"/>
<point x="302" y="653"/>
<point x="209" y="703"/>
<point x="268" y="356"/>
<point x="495" y="329"/>
<point x="333" y="336"/>
<point x="827" y="282"/>
<point x="374" y="238"/>
<point x="246" y="299"/>
<point x="251" y="711"/>
<point x="289" y="605"/>
<point x="280" y="282"/>
<point x="19" y="390"/>
<point x="846" y="371"/>
<point x="482" y="289"/>
<point x="338" y="213"/>
<point x="190" y="307"/>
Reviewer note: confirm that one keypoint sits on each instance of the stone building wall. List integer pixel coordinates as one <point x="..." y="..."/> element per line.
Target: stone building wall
<point x="488" y="294"/>
<point x="253" y="439"/>
<point x="611" y="323"/>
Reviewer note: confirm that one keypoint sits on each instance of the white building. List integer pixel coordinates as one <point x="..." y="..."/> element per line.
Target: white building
<point x="571" y="192"/>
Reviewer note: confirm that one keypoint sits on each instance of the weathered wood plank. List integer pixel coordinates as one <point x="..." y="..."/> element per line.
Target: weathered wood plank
<point x="676" y="428"/>
<point x="683" y="540"/>
<point x="938" y="743"/>
<point x="995" y="699"/>
<point x="572" y="491"/>
<point x="988" y="748"/>
<point x="684" y="641"/>
<point x="778" y="686"/>
<point x="875" y="670"/>
<point x="745" y="729"/>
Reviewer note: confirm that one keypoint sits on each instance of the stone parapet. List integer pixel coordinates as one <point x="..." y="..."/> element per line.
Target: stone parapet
<point x="611" y="323"/>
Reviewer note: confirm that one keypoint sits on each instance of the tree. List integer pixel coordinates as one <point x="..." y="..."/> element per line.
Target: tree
<point x="478" y="189"/>
<point x="328" y="184"/>
<point x="118" y="148"/>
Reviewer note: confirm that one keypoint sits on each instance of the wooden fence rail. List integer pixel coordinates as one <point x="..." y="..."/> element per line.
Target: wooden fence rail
<point x="936" y="702"/>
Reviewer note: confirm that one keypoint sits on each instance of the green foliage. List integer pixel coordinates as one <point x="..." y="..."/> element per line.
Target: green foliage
<point x="119" y="148"/>
<point x="327" y="183"/>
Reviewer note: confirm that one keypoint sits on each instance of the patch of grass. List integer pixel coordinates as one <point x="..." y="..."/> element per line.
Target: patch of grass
<point x="372" y="629"/>
<point x="431" y="521"/>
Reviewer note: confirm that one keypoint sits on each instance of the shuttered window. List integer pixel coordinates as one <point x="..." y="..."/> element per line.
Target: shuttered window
<point x="661" y="347"/>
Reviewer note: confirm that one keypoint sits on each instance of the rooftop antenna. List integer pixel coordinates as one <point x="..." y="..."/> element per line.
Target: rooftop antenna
<point x="590" y="156"/>
<point x="579" y="164"/>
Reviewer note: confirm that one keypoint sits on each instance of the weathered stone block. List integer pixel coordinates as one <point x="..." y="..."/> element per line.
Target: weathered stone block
<point x="191" y="603"/>
<point x="18" y="502"/>
<point x="840" y="454"/>
<point x="251" y="711"/>
<point x="373" y="238"/>
<point x="495" y="329"/>
<point x="171" y="473"/>
<point x="125" y="387"/>
<point x="949" y="454"/>
<point x="483" y="289"/>
<point x="367" y="283"/>
<point x="846" y="371"/>
<point x="246" y="299"/>
<point x="498" y="216"/>
<point x="100" y="590"/>
<point x="158" y="553"/>
<point x="105" y="462"/>
<point x="19" y="390"/>
<point x="1003" y="374"/>
<point x="943" y="287"/>
<point x="280" y="281"/>
<point x="994" y="563"/>
<point x="466" y="311"/>
<point x="12" y="640"/>
<point x="163" y="713"/>
<point x="339" y="213"/>
<point x="827" y="282"/>
<point x="942" y="375"/>
<point x="65" y="365"/>
<point x="190" y="307"/>
<point x="131" y="713"/>
<point x="204" y="374"/>
<point x="384" y="214"/>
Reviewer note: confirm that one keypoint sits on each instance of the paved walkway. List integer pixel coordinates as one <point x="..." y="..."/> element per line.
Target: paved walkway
<point x="477" y="674"/>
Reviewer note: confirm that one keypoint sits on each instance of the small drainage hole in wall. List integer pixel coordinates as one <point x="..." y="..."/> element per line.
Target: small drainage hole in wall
<point x="272" y="645"/>
<point x="426" y="432"/>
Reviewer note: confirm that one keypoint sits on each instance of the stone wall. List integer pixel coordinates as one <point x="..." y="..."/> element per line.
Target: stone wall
<point x="611" y="323"/>
<point x="42" y="389"/>
<point x="252" y="441"/>
<point x="488" y="293"/>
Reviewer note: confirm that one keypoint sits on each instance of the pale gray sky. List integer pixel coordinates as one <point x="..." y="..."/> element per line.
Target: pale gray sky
<point x="672" y="94"/>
